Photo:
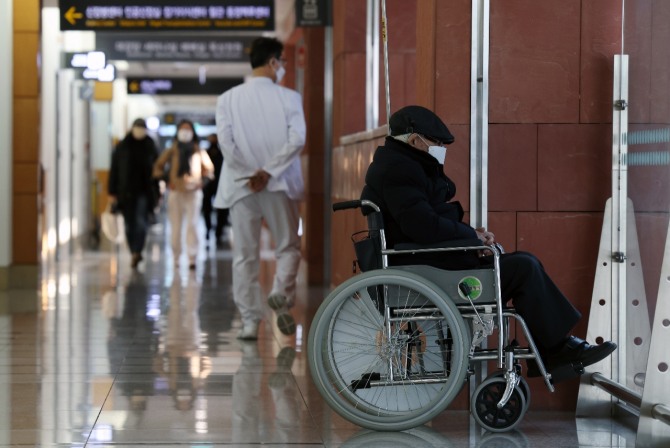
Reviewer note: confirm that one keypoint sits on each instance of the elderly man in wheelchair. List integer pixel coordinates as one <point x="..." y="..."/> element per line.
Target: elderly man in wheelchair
<point x="390" y="348"/>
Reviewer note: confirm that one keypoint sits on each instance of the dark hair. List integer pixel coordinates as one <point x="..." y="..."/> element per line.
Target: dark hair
<point x="263" y="49"/>
<point x="190" y="123"/>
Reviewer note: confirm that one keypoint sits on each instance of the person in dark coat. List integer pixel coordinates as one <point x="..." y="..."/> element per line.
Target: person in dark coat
<point x="209" y="191"/>
<point x="131" y="187"/>
<point x="406" y="180"/>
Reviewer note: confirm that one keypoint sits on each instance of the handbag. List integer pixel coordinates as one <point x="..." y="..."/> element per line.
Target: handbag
<point x="112" y="225"/>
<point x="367" y="247"/>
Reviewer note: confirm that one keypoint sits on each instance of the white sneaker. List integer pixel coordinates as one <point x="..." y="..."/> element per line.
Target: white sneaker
<point x="249" y="332"/>
<point x="285" y="322"/>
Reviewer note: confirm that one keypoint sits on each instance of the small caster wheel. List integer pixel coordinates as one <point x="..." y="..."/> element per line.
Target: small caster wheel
<point x="484" y="405"/>
<point x="523" y="385"/>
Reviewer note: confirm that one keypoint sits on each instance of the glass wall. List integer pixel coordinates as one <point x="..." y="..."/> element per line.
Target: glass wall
<point x="645" y="39"/>
<point x="645" y="159"/>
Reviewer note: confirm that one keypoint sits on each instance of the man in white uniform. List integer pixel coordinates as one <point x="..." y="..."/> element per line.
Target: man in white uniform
<point x="261" y="130"/>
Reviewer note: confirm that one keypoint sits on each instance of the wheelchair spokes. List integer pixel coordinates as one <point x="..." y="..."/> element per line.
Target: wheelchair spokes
<point x="388" y="351"/>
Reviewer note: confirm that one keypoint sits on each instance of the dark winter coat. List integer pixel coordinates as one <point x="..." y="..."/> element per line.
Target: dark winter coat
<point x="130" y="173"/>
<point x="414" y="193"/>
<point x="216" y="156"/>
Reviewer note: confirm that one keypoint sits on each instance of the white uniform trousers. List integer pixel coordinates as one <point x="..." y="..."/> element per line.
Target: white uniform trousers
<point x="282" y="218"/>
<point x="183" y="208"/>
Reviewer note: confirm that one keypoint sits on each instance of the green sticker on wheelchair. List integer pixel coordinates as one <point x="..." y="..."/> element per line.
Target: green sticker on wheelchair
<point x="475" y="286"/>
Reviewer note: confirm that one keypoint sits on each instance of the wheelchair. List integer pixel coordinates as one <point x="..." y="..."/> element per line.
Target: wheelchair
<point x="390" y="348"/>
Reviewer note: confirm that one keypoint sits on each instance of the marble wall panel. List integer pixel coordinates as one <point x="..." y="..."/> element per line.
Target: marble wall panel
<point x="534" y="61"/>
<point x="574" y="167"/>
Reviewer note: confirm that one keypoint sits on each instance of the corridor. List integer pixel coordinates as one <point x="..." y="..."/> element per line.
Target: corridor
<point x="116" y="358"/>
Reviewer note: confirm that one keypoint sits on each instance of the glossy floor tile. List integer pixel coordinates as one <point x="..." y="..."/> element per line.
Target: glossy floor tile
<point x="122" y="358"/>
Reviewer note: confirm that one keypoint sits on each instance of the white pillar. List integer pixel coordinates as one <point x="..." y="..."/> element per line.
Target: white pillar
<point x="6" y="123"/>
<point x="51" y="49"/>
<point x="6" y="101"/>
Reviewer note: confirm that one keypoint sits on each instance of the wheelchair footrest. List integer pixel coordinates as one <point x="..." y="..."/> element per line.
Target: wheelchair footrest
<point x="558" y="373"/>
<point x="566" y="372"/>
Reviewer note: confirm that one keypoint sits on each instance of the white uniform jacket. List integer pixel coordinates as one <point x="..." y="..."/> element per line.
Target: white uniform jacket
<point x="260" y="125"/>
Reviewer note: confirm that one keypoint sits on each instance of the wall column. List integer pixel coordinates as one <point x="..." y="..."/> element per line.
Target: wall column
<point x="25" y="144"/>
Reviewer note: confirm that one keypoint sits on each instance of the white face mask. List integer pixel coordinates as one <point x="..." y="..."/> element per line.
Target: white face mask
<point x="279" y="74"/>
<point x="139" y="133"/>
<point x="439" y="152"/>
<point x="185" y="135"/>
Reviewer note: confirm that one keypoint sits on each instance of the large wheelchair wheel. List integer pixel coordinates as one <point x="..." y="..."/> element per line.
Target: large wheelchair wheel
<point x="388" y="350"/>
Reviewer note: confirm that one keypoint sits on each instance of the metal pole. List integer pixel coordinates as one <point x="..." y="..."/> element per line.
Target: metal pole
<point x="328" y="147"/>
<point x="479" y="59"/>
<point x="479" y="86"/>
<point x="386" y="66"/>
<point x="372" y="67"/>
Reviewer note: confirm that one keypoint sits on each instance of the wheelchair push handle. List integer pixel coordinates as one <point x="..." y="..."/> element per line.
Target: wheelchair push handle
<point x="355" y="204"/>
<point x="346" y="205"/>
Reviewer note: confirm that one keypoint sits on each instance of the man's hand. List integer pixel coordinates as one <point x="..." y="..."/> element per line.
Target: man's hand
<point x="259" y="181"/>
<point x="488" y="238"/>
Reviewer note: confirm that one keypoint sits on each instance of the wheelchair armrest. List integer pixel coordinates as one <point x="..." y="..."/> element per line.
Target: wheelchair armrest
<point x="470" y="244"/>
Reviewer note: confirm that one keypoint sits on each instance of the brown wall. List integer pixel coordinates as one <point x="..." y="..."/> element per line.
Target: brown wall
<point x="551" y="71"/>
<point x="304" y="51"/>
<point x="26" y="139"/>
<point x="313" y="63"/>
<point x="351" y="159"/>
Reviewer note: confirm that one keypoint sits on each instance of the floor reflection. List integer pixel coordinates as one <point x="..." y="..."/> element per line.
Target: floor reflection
<point x="424" y="436"/>
<point x="123" y="358"/>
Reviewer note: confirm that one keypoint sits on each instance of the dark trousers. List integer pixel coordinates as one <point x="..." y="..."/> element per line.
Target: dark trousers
<point x="136" y="220"/>
<point x="221" y="214"/>
<point x="548" y="313"/>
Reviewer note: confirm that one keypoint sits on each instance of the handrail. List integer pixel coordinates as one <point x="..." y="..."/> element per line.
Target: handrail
<point x="661" y="413"/>
<point x="621" y="392"/>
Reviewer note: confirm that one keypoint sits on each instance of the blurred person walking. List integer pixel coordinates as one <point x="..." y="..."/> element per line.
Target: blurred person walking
<point x="261" y="129"/>
<point x="131" y="188"/>
<point x="189" y="165"/>
<point x="209" y="192"/>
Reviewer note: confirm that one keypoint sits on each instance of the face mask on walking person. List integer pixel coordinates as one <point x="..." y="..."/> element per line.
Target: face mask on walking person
<point x="281" y="71"/>
<point x="185" y="136"/>
<point x="279" y="74"/>
<point x="139" y="133"/>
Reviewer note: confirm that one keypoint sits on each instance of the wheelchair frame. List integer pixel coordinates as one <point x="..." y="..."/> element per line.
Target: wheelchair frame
<point x="407" y="338"/>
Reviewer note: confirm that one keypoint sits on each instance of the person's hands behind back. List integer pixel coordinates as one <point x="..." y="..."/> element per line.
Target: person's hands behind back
<point x="259" y="181"/>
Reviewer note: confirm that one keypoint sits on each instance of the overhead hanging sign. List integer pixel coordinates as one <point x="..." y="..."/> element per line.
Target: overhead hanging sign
<point x="93" y="60"/>
<point x="180" y="86"/>
<point x="313" y="12"/>
<point x="156" y="15"/>
<point x="171" y="47"/>
<point x="105" y="74"/>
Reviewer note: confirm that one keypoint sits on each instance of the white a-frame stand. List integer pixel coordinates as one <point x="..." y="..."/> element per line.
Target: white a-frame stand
<point x="617" y="314"/>
<point x="654" y="426"/>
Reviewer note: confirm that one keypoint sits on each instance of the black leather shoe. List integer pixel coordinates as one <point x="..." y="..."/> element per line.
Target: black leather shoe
<point x="576" y="350"/>
<point x="575" y="354"/>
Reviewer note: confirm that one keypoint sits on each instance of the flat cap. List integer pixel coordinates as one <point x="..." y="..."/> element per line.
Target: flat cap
<point x="140" y="123"/>
<point x="419" y="120"/>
